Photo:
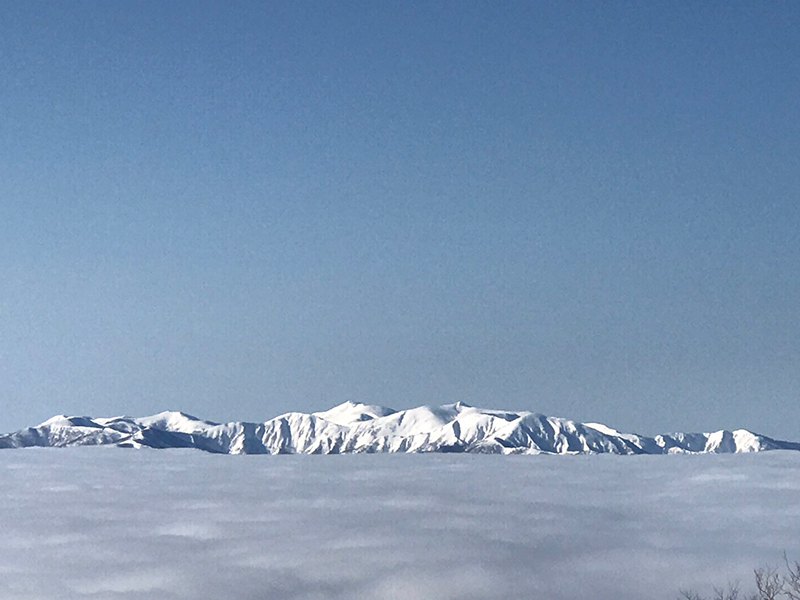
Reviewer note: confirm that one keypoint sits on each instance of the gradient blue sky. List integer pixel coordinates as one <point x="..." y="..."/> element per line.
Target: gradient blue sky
<point x="236" y="209"/>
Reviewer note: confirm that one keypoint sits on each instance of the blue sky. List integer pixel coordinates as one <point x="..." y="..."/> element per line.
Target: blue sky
<point x="238" y="209"/>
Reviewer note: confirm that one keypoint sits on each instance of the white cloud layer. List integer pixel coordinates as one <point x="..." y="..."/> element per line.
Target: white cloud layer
<point x="103" y="523"/>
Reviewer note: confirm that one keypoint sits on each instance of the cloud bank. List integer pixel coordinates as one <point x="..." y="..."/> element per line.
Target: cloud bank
<point x="92" y="523"/>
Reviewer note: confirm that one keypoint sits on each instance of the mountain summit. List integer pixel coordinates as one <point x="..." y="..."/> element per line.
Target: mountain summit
<point x="360" y="428"/>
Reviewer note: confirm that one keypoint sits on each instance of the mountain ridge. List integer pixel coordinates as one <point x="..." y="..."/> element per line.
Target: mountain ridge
<point x="353" y="427"/>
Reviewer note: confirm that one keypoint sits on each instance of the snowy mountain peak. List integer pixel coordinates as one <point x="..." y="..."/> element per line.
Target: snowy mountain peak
<point x="174" y="421"/>
<point x="353" y="427"/>
<point x="350" y="412"/>
<point x="604" y="429"/>
<point x="65" y="421"/>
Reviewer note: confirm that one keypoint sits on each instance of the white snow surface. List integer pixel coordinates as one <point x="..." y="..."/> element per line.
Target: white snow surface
<point x="360" y="428"/>
<point x="100" y="523"/>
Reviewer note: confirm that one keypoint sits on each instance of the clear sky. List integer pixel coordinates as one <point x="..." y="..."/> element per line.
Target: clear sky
<point x="235" y="209"/>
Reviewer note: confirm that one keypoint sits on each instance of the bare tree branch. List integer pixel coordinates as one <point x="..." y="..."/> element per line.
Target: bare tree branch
<point x="792" y="580"/>
<point x="732" y="593"/>
<point x="769" y="583"/>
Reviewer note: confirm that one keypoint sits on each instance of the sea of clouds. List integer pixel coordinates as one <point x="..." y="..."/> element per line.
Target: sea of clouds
<point x="106" y="523"/>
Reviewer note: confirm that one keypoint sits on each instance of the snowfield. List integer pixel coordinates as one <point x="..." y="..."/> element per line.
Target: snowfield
<point x="107" y="523"/>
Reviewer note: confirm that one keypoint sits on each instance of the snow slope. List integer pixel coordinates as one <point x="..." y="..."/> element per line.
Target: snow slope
<point x="360" y="428"/>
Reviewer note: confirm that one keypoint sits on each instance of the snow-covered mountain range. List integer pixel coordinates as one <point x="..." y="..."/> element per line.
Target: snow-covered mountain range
<point x="361" y="428"/>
